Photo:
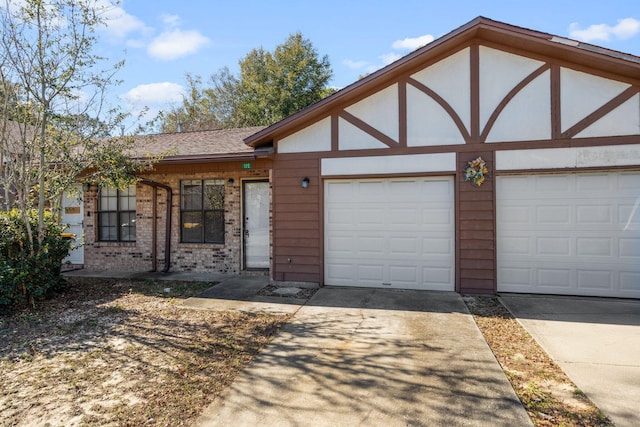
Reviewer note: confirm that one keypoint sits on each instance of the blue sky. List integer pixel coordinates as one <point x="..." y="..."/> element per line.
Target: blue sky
<point x="161" y="40"/>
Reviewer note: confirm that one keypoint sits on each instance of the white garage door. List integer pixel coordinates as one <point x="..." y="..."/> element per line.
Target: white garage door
<point x="396" y="233"/>
<point x="575" y="234"/>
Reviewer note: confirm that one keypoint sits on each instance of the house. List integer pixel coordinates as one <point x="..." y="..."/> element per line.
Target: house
<point x="494" y="159"/>
<point x="213" y="189"/>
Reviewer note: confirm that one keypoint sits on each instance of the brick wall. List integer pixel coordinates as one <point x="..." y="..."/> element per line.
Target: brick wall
<point x="137" y="256"/>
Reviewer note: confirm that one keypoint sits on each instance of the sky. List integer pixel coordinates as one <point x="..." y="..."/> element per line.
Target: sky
<point x="161" y="40"/>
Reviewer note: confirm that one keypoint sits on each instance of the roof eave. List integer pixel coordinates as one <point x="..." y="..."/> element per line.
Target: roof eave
<point x="480" y="28"/>
<point x="204" y="158"/>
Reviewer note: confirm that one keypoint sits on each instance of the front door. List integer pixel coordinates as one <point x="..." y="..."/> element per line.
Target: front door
<point x="72" y="216"/>
<point x="256" y="224"/>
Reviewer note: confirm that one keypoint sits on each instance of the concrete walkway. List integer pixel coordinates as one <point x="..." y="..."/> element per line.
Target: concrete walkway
<point x="373" y="358"/>
<point x="595" y="341"/>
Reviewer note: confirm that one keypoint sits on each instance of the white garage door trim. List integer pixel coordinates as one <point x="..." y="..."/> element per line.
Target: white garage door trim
<point x="571" y="234"/>
<point x="390" y="233"/>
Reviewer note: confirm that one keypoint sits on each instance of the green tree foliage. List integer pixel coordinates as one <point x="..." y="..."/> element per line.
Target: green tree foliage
<point x="26" y="275"/>
<point x="270" y="87"/>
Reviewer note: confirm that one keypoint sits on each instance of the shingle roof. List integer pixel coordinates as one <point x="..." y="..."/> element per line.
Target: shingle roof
<point x="210" y="144"/>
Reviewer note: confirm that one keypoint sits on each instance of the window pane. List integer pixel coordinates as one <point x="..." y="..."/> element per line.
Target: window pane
<point x="107" y="230"/>
<point x="128" y="227"/>
<point x="108" y="199"/>
<point x="214" y="194"/>
<point x="214" y="227"/>
<point x="127" y="200"/>
<point x="191" y="193"/>
<point x="192" y="227"/>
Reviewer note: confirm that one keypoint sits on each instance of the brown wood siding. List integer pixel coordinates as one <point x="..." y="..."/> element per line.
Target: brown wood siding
<point x="476" y="243"/>
<point x="297" y="220"/>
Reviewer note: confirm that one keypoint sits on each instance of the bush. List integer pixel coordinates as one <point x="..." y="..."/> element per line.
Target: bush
<point x="25" y="277"/>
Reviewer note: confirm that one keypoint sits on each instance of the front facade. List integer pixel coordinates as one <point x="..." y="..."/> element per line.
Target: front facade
<point x="218" y="193"/>
<point x="493" y="159"/>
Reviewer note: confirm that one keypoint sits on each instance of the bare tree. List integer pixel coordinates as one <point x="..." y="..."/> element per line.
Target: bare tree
<point x="54" y="116"/>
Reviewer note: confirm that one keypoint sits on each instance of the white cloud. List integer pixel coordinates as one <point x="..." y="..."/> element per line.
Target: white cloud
<point x="412" y="43"/>
<point x="154" y="93"/>
<point x="171" y="21"/>
<point x="355" y="65"/>
<point x="390" y="57"/>
<point x="626" y="28"/>
<point x="118" y="22"/>
<point x="176" y="44"/>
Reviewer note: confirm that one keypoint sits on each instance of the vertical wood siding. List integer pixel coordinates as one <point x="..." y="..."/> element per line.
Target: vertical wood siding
<point x="476" y="229"/>
<point x="297" y="220"/>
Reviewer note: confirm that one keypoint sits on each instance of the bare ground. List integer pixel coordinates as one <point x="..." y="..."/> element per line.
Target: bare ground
<point x="120" y="352"/>
<point x="548" y="395"/>
<point x="110" y="352"/>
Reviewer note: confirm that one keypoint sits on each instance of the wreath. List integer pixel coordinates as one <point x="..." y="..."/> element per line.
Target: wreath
<point x="476" y="172"/>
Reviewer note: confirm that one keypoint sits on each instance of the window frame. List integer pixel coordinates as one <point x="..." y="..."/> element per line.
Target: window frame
<point x="201" y="209"/>
<point x="128" y="195"/>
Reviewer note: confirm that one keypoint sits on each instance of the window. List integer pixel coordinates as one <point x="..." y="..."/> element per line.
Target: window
<point x="202" y="211"/>
<point x="117" y="215"/>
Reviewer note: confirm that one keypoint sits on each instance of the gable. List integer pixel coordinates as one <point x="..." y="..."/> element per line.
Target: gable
<point x="519" y="99"/>
<point x="476" y="91"/>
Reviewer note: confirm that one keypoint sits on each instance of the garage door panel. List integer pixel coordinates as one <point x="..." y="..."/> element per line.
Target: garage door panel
<point x="630" y="282"/>
<point x="556" y="246"/>
<point x="401" y="233"/>
<point x="569" y="234"/>
<point x="629" y="248"/>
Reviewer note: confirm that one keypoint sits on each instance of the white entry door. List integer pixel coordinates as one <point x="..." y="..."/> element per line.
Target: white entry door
<point x="574" y="234"/>
<point x="394" y="232"/>
<point x="256" y="224"/>
<point x="72" y="216"/>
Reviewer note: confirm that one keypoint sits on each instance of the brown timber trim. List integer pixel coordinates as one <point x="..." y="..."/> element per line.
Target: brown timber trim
<point x="495" y="223"/>
<point x="457" y="238"/>
<point x="390" y="175"/>
<point x="365" y="127"/>
<point x="402" y="112"/>
<point x="444" y="104"/>
<point x="595" y="169"/>
<point x="556" y="103"/>
<point x="512" y="93"/>
<point x="335" y="132"/>
<point x="321" y="220"/>
<point x="600" y="112"/>
<point x="475" y="94"/>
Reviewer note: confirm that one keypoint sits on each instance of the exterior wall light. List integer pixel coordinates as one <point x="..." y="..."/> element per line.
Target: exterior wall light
<point x="305" y="182"/>
<point x="230" y="182"/>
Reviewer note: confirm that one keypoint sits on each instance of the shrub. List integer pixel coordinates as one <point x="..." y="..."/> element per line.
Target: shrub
<point x="25" y="276"/>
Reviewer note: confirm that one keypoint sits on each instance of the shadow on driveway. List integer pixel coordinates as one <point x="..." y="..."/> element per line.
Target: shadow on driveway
<point x="373" y="357"/>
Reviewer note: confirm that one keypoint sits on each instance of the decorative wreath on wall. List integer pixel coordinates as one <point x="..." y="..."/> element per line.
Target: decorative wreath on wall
<point x="476" y="172"/>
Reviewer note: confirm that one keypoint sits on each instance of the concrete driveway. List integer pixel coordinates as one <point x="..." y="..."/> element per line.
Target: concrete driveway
<point x="595" y="341"/>
<point x="375" y="358"/>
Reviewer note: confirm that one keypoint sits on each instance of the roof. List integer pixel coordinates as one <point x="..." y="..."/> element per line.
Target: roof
<point x="480" y="28"/>
<point x="209" y="145"/>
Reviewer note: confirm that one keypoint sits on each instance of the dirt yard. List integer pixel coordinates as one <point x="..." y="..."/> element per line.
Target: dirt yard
<point x="120" y="352"/>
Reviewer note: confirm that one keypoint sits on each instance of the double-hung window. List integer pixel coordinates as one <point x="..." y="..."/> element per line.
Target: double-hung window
<point x="202" y="211"/>
<point x="117" y="214"/>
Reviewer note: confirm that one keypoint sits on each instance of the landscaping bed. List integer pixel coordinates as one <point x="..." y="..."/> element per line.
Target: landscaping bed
<point x="548" y="395"/>
<point x="120" y="352"/>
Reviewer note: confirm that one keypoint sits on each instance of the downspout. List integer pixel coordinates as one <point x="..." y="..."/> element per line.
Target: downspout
<point x="167" y="237"/>
<point x="154" y="230"/>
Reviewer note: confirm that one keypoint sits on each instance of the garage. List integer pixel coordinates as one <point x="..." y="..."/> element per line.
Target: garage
<point x="390" y="233"/>
<point x="571" y="233"/>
